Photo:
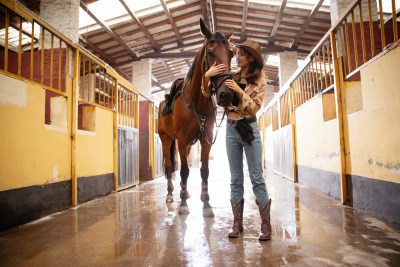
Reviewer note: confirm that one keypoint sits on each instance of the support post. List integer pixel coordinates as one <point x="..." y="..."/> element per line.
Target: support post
<point x="74" y="122"/>
<point x="292" y="122"/>
<point x="115" y="135"/>
<point x="339" y="112"/>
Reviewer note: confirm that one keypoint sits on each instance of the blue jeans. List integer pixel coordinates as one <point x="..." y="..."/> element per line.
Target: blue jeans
<point x="234" y="149"/>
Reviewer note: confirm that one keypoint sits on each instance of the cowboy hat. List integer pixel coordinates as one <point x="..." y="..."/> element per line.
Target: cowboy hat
<point x="254" y="49"/>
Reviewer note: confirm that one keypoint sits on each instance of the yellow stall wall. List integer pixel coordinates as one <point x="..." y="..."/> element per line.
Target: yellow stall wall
<point x="95" y="149"/>
<point x="317" y="141"/>
<point x="32" y="153"/>
<point x="374" y="132"/>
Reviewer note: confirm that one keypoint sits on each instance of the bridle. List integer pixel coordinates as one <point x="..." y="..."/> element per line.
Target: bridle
<point x="202" y="118"/>
<point x="225" y="76"/>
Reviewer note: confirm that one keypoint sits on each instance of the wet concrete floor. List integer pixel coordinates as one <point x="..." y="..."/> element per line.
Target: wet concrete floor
<point x="136" y="227"/>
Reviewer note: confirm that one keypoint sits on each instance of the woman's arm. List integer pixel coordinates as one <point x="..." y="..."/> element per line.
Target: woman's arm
<point x="250" y="102"/>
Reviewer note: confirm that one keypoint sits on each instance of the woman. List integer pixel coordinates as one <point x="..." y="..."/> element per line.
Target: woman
<point x="249" y="87"/>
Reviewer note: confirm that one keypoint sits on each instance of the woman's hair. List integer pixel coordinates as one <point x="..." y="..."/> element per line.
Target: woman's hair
<point x="253" y="71"/>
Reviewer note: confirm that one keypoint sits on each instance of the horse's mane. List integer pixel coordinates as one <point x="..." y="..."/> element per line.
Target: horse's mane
<point x="218" y="38"/>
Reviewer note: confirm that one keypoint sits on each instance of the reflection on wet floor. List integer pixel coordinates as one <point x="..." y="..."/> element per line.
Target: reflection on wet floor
<point x="136" y="227"/>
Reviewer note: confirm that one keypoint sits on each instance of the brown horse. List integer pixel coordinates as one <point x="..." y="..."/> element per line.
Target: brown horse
<point x="193" y="116"/>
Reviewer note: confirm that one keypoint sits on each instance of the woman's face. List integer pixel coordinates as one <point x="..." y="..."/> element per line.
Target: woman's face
<point x="243" y="58"/>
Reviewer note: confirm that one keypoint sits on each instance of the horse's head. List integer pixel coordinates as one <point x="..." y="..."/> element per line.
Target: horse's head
<point x="217" y="50"/>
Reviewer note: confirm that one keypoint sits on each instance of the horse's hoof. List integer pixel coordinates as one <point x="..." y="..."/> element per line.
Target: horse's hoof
<point x="183" y="210"/>
<point x="170" y="199"/>
<point x="208" y="212"/>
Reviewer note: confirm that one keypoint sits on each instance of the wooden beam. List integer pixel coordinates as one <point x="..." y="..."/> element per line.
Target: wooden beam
<point x="166" y="67"/>
<point x="306" y="23"/>
<point x="169" y="55"/>
<point x="267" y="49"/>
<point x="186" y="60"/>
<point x="141" y="26"/>
<point x="159" y="56"/>
<point x="213" y="16"/>
<point x="159" y="90"/>
<point x="162" y="88"/>
<point x="244" y="20"/>
<point x="277" y="22"/>
<point x="171" y="21"/>
<point x="94" y="48"/>
<point x="273" y="49"/>
<point x="204" y="10"/>
<point x="107" y="29"/>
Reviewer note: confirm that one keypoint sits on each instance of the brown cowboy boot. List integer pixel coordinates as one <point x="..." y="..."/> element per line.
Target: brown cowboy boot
<point x="266" y="229"/>
<point x="237" y="219"/>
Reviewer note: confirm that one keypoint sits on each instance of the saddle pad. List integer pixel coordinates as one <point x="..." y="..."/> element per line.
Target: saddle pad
<point x="168" y="105"/>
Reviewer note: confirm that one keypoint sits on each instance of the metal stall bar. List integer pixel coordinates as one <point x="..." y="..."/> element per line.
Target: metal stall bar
<point x="348" y="46"/>
<point x="19" y="46"/>
<point x="59" y="66"/>
<point x="342" y="46"/>
<point x="7" y="25"/>
<point x="362" y="33"/>
<point x="33" y="49"/>
<point x="104" y="87"/>
<point x="51" y="61"/>
<point x="90" y="85"/>
<point x="323" y="54"/>
<point x="354" y="38"/>
<point x="371" y="28"/>
<point x="394" y="19"/>
<point x="329" y="62"/>
<point x="94" y="85"/>
<point x="82" y="65"/>
<point x="312" y="77"/>
<point x="382" y="24"/>
<point x="320" y="70"/>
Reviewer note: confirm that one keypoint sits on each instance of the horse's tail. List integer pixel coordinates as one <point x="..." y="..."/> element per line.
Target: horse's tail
<point x="172" y="153"/>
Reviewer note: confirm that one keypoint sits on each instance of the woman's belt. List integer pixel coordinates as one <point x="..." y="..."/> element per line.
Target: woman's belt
<point x="248" y="120"/>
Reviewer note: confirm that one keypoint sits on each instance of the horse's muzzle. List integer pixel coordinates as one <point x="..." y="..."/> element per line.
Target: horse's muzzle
<point x="224" y="96"/>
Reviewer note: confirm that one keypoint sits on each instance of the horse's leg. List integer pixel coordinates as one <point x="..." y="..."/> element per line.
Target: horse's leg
<point x="166" y="148"/>
<point x="205" y="152"/>
<point x="183" y="208"/>
<point x="187" y="155"/>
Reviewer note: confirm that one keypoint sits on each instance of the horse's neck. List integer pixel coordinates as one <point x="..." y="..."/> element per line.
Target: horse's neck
<point x="199" y="100"/>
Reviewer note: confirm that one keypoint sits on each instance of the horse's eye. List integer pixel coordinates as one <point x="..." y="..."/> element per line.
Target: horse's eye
<point x="210" y="53"/>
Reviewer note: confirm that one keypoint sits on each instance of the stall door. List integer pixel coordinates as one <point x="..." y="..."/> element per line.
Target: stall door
<point x="158" y="157"/>
<point x="127" y="157"/>
<point x="287" y="152"/>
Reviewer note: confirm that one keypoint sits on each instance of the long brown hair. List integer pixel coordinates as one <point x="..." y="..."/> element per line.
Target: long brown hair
<point x="253" y="70"/>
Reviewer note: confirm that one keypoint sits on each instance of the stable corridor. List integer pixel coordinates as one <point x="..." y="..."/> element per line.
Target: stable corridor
<point x="135" y="227"/>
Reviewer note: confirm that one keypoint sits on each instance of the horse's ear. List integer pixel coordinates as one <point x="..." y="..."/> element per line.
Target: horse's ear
<point x="228" y="34"/>
<point x="206" y="32"/>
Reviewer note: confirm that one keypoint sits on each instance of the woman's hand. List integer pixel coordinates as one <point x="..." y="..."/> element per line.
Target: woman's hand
<point x="234" y="86"/>
<point x="215" y="70"/>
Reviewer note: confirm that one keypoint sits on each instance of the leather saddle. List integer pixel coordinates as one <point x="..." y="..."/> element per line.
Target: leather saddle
<point x="168" y="105"/>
